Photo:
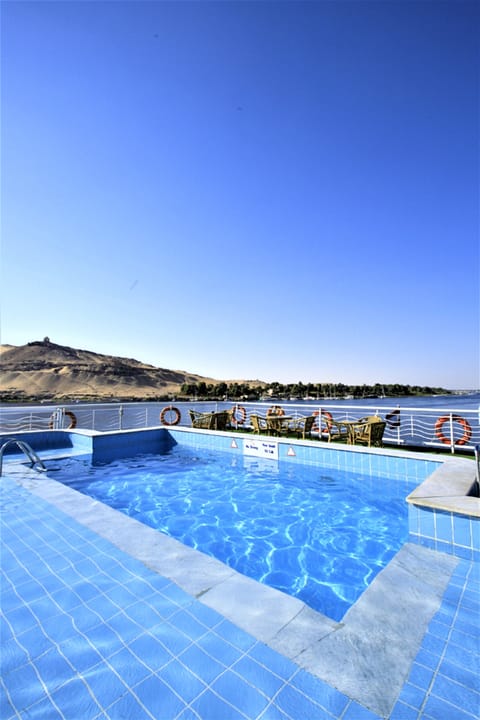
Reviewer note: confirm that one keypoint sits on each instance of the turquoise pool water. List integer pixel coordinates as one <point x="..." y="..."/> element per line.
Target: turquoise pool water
<point x="319" y="534"/>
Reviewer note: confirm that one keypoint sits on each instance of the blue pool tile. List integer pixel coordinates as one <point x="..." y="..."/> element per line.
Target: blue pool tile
<point x="257" y="675"/>
<point x="323" y="694"/>
<point x="235" y="636"/>
<point x="203" y="665"/>
<point x="427" y="523"/>
<point x="358" y="712"/>
<point x="439" y="630"/>
<point x="151" y="652"/>
<point x="124" y="627"/>
<point x="461" y="656"/>
<point x="43" y="709"/>
<point x="15" y="653"/>
<point x="434" y="644"/>
<point x="159" y="699"/>
<point x="462" y="531"/>
<point x="437" y="709"/>
<point x="25" y="593"/>
<point x="209" y="617"/>
<point x="272" y="712"/>
<point x="102" y="606"/>
<point x="23" y="684"/>
<point x="211" y="706"/>
<point x="105" y="684"/>
<point x="127" y="707"/>
<point x="469" y="642"/>
<point x="80" y="653"/>
<point x="297" y="705"/>
<point x="468" y="628"/>
<point x="7" y="711"/>
<point x="280" y="665"/>
<point x="461" y="674"/>
<point x="187" y="714"/>
<point x="401" y="711"/>
<point x="120" y="596"/>
<point x="20" y="619"/>
<point x="456" y="694"/>
<point x="66" y="598"/>
<point x="53" y="668"/>
<point x="173" y="593"/>
<point x="443" y="525"/>
<point x="103" y="638"/>
<point x="475" y="531"/>
<point x="59" y="628"/>
<point x="173" y="640"/>
<point x="240" y="694"/>
<point x="5" y="628"/>
<point x="44" y="607"/>
<point x="412" y="695"/>
<point x="182" y="681"/>
<point x="420" y="676"/>
<point x="217" y="647"/>
<point x="130" y="669"/>
<point x="188" y="625"/>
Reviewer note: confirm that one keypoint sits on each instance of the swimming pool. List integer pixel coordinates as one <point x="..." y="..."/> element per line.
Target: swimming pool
<point x="319" y="534"/>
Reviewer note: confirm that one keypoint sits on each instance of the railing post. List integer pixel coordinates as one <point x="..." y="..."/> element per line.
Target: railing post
<point x="452" y="439"/>
<point x="120" y="416"/>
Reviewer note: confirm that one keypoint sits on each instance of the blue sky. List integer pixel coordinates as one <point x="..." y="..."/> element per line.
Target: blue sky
<point x="280" y="191"/>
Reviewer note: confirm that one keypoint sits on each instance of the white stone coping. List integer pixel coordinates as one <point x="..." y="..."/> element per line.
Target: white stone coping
<point x="447" y="488"/>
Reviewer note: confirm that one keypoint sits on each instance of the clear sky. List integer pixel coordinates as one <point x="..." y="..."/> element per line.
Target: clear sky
<point x="284" y="191"/>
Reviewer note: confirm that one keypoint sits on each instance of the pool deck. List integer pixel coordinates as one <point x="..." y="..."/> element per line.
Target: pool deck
<point x="103" y="617"/>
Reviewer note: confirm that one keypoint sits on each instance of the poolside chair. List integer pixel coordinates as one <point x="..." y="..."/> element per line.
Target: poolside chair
<point x="258" y="424"/>
<point x="370" y="432"/>
<point x="302" y="427"/>
<point x="205" y="421"/>
<point x="336" y="430"/>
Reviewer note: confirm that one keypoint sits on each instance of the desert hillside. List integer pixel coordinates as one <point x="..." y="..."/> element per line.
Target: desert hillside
<point x="45" y="371"/>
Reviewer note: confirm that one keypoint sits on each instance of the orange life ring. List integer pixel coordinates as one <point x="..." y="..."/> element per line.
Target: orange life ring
<point x="393" y="419"/>
<point x="325" y="414"/>
<point x="242" y="414"/>
<point x="467" y="430"/>
<point x="167" y="410"/>
<point x="67" y="413"/>
<point x="276" y="410"/>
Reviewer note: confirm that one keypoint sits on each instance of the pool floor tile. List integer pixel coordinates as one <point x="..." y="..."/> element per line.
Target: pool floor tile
<point x="105" y="638"/>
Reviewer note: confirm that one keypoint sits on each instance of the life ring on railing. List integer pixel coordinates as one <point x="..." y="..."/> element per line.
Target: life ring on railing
<point x="393" y="419"/>
<point x="166" y="412"/>
<point x="467" y="430"/>
<point x="275" y="410"/>
<point x="325" y="414"/>
<point x="67" y="413"/>
<point x="242" y="414"/>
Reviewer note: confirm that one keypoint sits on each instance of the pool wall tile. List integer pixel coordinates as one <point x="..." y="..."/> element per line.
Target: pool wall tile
<point x="444" y="531"/>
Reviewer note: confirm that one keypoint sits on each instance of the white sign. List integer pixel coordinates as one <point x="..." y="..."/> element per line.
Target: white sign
<point x="261" y="448"/>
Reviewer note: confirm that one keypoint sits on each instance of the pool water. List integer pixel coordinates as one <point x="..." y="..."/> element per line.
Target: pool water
<point x="318" y="534"/>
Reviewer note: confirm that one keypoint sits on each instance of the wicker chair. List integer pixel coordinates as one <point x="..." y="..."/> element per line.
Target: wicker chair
<point x="336" y="430"/>
<point x="302" y="427"/>
<point x="201" y="420"/>
<point x="370" y="432"/>
<point x="259" y="424"/>
<point x="210" y="420"/>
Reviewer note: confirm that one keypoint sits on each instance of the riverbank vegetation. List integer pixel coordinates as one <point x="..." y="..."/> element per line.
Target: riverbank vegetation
<point x="301" y="391"/>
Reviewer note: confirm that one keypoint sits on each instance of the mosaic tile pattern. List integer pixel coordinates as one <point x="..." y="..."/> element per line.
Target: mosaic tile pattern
<point x="446" y="532"/>
<point x="89" y="632"/>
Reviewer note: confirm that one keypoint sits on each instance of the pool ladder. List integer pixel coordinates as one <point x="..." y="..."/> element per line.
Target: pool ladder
<point x="36" y="463"/>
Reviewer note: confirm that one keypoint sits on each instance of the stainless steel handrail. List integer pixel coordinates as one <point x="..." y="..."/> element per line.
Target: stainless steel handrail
<point x="36" y="463"/>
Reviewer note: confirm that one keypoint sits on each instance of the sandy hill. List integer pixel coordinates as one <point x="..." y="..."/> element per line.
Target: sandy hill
<point x="46" y="371"/>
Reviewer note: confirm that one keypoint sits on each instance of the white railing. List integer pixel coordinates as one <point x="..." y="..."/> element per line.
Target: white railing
<point x="452" y="428"/>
